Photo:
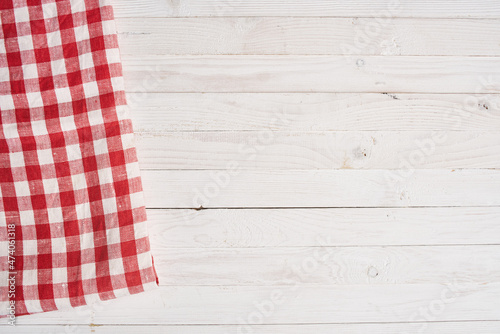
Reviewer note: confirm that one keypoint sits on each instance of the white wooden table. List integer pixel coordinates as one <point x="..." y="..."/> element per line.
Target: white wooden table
<point x="343" y="157"/>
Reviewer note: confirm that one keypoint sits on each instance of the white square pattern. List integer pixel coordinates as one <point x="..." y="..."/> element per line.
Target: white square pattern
<point x="86" y="61"/>
<point x="109" y="205"/>
<point x="74" y="152"/>
<point x="30" y="244"/>
<point x="22" y="14"/>
<point x="59" y="275"/>
<point x="116" y="266"/>
<point x="87" y="240"/>
<point x="55" y="215"/>
<point x="88" y="271"/>
<point x="82" y="211"/>
<point x="39" y="128"/>
<point x="22" y="188"/>
<point x="25" y="43"/>
<point x="58" y="245"/>
<point x="45" y="157"/>
<point x="78" y="181"/>
<point x="54" y="39"/>
<point x="91" y="89"/>
<point x="44" y="113"/>
<point x="50" y="186"/>
<point x="113" y="236"/>
<point x="30" y="71"/>
<point x="30" y="277"/>
<point x="100" y="146"/>
<point x="6" y="101"/>
<point x="68" y="123"/>
<point x="16" y="159"/>
<point x="58" y="66"/>
<point x="49" y="10"/>
<point x="63" y="94"/>
<point x="27" y="217"/>
<point x="10" y="131"/>
<point x="34" y="99"/>
<point x="82" y="33"/>
<point x="95" y="117"/>
<point x="105" y="175"/>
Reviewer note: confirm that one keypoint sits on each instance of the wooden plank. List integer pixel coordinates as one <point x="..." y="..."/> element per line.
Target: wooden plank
<point x="164" y="112"/>
<point x="292" y="304"/>
<point x="318" y="150"/>
<point x="484" y="327"/>
<point x="326" y="265"/>
<point x="308" y="36"/>
<point x="321" y="8"/>
<point x="322" y="188"/>
<point x="227" y="228"/>
<point x="410" y="74"/>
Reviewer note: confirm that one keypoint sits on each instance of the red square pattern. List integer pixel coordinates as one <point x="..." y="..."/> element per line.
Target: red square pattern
<point x="68" y="171"/>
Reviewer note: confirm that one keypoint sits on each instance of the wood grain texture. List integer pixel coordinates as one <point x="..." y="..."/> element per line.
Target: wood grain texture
<point x="292" y="304"/>
<point x="321" y="8"/>
<point x="345" y="90"/>
<point x="167" y="112"/>
<point x="408" y="74"/>
<point x="227" y="228"/>
<point x="319" y="150"/>
<point x="484" y="327"/>
<point x="308" y="36"/>
<point x="327" y="265"/>
<point x="322" y="188"/>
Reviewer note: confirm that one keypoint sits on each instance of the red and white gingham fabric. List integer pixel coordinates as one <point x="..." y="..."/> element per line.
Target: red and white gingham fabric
<point x="71" y="194"/>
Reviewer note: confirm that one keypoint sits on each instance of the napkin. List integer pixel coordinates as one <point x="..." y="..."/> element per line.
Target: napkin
<point x="72" y="217"/>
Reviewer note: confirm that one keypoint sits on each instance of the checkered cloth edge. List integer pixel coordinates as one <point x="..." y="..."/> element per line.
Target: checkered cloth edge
<point x="72" y="218"/>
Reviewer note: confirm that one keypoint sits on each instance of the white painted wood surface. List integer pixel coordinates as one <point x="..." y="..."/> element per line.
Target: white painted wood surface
<point x="334" y="265"/>
<point x="450" y="327"/>
<point x="290" y="73"/>
<point x="318" y="8"/>
<point x="313" y="112"/>
<point x="253" y="228"/>
<point x="318" y="304"/>
<point x="305" y="35"/>
<point x="234" y="188"/>
<point x="318" y="150"/>
<point x="347" y="157"/>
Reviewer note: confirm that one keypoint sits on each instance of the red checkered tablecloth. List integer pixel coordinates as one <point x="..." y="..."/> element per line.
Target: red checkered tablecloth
<point x="72" y="218"/>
